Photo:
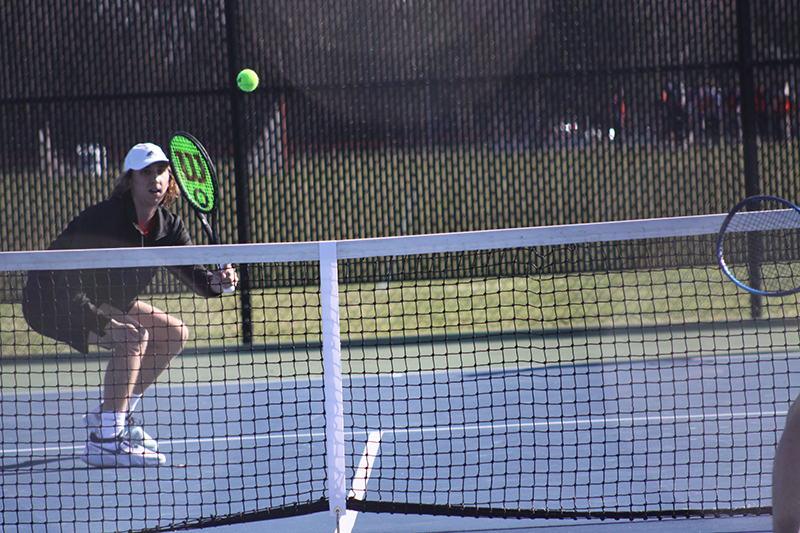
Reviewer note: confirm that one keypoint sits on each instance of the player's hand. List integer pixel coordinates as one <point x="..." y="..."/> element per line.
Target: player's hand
<point x="225" y="279"/>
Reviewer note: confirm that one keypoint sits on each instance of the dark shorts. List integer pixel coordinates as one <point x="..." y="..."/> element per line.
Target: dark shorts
<point x="66" y="328"/>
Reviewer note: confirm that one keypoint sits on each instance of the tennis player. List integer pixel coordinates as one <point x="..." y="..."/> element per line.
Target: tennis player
<point x="786" y="476"/>
<point x="102" y="307"/>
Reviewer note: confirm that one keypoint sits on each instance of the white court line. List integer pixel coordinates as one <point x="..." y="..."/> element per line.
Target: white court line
<point x="348" y="519"/>
<point x="596" y="422"/>
<point x="295" y="437"/>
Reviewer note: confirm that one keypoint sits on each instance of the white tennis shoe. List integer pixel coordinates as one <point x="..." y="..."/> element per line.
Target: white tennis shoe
<point x="119" y="451"/>
<point x="133" y="430"/>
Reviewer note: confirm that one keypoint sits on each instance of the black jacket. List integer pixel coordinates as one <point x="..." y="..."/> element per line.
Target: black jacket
<point x="55" y="300"/>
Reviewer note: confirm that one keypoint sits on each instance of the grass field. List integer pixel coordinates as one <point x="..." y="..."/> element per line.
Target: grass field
<point x="354" y="193"/>
<point x="286" y="325"/>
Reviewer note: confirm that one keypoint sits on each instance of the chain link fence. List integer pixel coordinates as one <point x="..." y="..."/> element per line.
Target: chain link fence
<point x="391" y="117"/>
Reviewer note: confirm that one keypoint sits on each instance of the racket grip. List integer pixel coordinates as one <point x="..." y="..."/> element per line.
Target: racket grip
<point x="226" y="289"/>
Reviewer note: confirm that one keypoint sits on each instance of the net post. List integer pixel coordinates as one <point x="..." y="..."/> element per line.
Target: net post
<point x="332" y="362"/>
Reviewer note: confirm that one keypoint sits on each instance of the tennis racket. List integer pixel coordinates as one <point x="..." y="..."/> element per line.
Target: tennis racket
<point x="197" y="178"/>
<point x="758" y="246"/>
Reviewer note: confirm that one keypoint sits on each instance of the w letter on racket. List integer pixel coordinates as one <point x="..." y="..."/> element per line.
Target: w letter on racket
<point x="758" y="246"/>
<point x="194" y="169"/>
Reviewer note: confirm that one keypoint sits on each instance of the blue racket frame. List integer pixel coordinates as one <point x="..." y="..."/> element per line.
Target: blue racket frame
<point x="738" y="209"/>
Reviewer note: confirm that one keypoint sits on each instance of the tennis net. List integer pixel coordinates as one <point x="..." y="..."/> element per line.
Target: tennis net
<point x="599" y="370"/>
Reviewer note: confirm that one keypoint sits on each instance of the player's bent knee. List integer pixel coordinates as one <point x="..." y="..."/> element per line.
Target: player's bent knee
<point x="177" y="338"/>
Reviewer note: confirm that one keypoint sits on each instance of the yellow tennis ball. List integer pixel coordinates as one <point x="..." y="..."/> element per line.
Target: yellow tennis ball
<point x="247" y="80"/>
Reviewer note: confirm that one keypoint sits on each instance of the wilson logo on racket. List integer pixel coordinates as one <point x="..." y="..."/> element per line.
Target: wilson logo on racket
<point x="194" y="170"/>
<point x="195" y="174"/>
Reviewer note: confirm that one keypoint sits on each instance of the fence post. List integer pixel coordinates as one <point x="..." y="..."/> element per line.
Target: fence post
<point x="233" y="25"/>
<point x="747" y="103"/>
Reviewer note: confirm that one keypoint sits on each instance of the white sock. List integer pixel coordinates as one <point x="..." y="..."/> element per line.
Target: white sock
<point x="112" y="424"/>
<point x="133" y="402"/>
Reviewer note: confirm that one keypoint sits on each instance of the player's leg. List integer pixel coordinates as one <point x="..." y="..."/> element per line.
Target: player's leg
<point x="167" y="337"/>
<point x="122" y="371"/>
<point x="786" y="476"/>
<point x="122" y="374"/>
<point x="110" y="443"/>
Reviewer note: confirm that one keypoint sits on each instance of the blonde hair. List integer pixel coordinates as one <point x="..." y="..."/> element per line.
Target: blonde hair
<point x="123" y="186"/>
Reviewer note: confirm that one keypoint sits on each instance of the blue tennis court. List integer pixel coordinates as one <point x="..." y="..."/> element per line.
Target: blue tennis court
<point x="636" y="434"/>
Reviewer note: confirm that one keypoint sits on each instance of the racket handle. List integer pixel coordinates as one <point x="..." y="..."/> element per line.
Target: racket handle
<point x="226" y="289"/>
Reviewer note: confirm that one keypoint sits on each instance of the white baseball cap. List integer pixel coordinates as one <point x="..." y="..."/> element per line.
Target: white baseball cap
<point x="143" y="155"/>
